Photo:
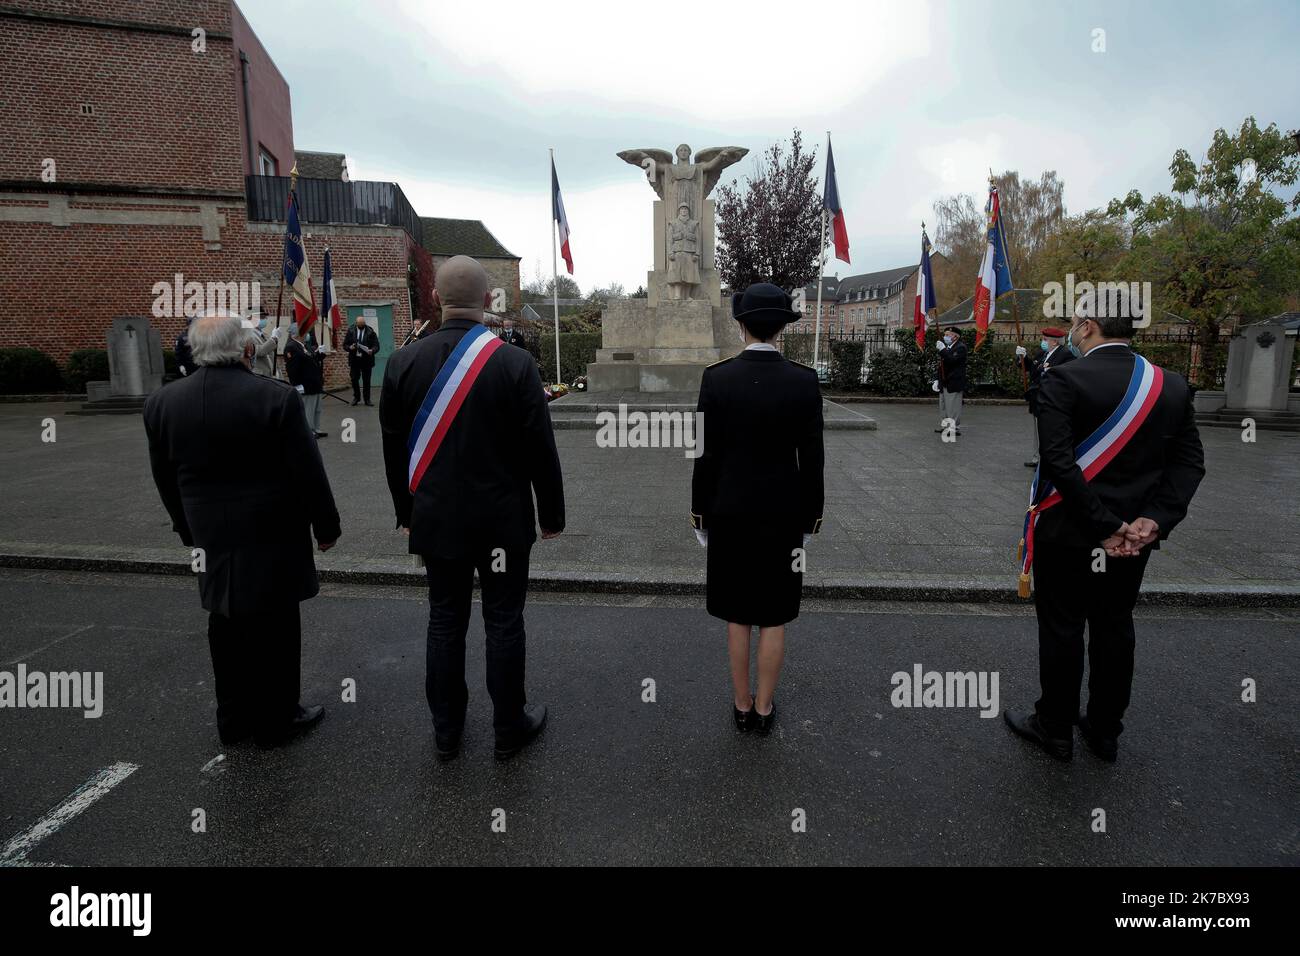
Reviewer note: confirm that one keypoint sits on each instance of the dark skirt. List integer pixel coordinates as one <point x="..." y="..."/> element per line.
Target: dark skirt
<point x="752" y="576"/>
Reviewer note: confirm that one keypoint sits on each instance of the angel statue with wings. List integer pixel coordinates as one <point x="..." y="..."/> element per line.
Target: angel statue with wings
<point x="684" y="183"/>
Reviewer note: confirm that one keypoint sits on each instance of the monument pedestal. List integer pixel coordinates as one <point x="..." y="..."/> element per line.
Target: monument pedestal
<point x="662" y="347"/>
<point x="1258" y="382"/>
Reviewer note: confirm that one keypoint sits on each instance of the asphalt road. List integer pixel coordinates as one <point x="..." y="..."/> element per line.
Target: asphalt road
<point x="1203" y="778"/>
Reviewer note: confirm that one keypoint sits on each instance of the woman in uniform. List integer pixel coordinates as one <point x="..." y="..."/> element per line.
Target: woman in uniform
<point x="756" y="495"/>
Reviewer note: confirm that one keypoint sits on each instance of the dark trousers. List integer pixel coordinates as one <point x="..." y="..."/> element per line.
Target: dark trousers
<point x="360" y="381"/>
<point x="255" y="663"/>
<point x="1068" y="594"/>
<point x="451" y="584"/>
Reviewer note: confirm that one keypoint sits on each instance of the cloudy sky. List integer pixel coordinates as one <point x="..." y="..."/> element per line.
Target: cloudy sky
<point x="458" y="102"/>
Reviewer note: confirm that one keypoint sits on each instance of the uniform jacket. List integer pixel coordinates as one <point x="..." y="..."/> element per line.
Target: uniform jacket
<point x="762" y="454"/>
<point x="478" y="491"/>
<point x="1037" y="366"/>
<point x="1154" y="476"/>
<point x="952" y="367"/>
<point x="241" y="477"/>
<point x="304" y="366"/>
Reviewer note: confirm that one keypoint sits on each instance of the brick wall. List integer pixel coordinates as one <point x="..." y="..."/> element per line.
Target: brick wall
<point x="166" y="131"/>
<point x="502" y="274"/>
<point x="142" y="131"/>
<point x="270" y="106"/>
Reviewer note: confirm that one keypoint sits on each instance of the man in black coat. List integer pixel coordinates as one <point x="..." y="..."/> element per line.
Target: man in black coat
<point x="952" y="378"/>
<point x="473" y="507"/>
<point x="362" y="345"/>
<point x="305" y="366"/>
<point x="1091" y="550"/>
<point x="511" y="335"/>
<point x="243" y="482"/>
<point x="1050" y="353"/>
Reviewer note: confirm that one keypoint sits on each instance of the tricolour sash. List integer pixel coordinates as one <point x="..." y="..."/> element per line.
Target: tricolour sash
<point x="445" y="397"/>
<point x="1094" y="453"/>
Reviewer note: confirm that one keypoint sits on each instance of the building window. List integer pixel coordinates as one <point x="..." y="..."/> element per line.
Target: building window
<point x="266" y="165"/>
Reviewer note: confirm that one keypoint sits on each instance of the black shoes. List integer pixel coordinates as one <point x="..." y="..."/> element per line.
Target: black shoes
<point x="1106" y="748"/>
<point x="1031" y="464"/>
<point x="321" y="434"/>
<point x="448" y="748"/>
<point x="356" y="402"/>
<point x="370" y="404"/>
<point x="1027" y="726"/>
<point x="304" y="720"/>
<point x="763" y="722"/>
<point x="744" y="718"/>
<point x="534" y="720"/>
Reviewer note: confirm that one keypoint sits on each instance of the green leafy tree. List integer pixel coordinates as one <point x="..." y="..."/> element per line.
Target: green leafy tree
<point x="1092" y="246"/>
<point x="1224" y="242"/>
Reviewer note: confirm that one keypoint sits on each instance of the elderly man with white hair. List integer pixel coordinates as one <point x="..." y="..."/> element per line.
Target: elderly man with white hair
<point x="242" y="479"/>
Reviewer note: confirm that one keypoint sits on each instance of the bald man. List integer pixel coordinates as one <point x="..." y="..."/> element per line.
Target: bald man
<point x="467" y="443"/>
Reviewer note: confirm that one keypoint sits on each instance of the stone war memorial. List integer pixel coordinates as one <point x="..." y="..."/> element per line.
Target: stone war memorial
<point x="663" y="342"/>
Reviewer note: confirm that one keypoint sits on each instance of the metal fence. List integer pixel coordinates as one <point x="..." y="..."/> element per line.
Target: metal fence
<point x="324" y="201"/>
<point x="1175" y="349"/>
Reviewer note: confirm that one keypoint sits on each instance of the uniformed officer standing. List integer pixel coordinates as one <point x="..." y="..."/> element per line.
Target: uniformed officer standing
<point x="1050" y="354"/>
<point x="952" y="378"/>
<point x="1118" y="488"/>
<point x="757" y="492"/>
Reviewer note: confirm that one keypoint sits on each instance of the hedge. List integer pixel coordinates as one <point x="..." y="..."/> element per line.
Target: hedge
<point x="906" y="371"/>
<point x="86" y="365"/>
<point x="27" y="371"/>
<point x="577" y="351"/>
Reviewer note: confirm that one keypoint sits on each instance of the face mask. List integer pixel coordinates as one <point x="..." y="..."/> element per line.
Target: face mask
<point x="1069" y="343"/>
<point x="1043" y="345"/>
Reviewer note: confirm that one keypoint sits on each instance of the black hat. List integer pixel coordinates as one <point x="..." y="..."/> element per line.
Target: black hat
<point x="765" y="301"/>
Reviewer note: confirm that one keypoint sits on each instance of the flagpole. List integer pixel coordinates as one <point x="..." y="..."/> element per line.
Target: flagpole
<point x="1015" y="299"/>
<point x="555" y="273"/>
<point x="821" y="270"/>
<point x="279" y="298"/>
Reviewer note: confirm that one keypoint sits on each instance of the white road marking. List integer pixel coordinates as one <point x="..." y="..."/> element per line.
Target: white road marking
<point x="16" y="850"/>
<point x="216" y="763"/>
<point x="57" y="640"/>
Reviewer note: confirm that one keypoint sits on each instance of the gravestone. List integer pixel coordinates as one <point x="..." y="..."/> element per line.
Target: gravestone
<point x="135" y="359"/>
<point x="1259" y="368"/>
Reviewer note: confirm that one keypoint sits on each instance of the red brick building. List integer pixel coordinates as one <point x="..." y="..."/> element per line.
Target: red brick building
<point x="149" y="139"/>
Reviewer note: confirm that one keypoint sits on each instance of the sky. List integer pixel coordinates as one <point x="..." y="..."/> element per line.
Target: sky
<point x="459" y="103"/>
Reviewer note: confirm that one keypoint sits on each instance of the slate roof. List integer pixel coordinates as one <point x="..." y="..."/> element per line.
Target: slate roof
<point x="461" y="237"/>
<point x="882" y="280"/>
<point x="313" y="165"/>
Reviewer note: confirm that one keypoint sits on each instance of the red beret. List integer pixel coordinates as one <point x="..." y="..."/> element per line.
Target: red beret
<point x="1054" y="333"/>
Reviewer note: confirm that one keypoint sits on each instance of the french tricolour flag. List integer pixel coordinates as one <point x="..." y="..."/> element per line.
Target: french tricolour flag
<point x="329" y="305"/>
<point x="561" y="220"/>
<point x="924" y="293"/>
<point x="297" y="274"/>
<point x="995" y="271"/>
<point x="831" y="202"/>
